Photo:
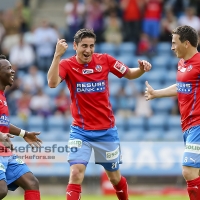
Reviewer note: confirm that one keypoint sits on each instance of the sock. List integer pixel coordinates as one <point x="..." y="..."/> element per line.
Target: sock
<point x="73" y="192"/>
<point x="193" y="188"/>
<point x="122" y="189"/>
<point x="32" y="195"/>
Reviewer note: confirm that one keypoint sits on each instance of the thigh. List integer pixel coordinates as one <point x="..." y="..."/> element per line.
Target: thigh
<point x="15" y="169"/>
<point x="27" y="181"/>
<point x="191" y="156"/>
<point x="80" y="148"/>
<point x="107" y="151"/>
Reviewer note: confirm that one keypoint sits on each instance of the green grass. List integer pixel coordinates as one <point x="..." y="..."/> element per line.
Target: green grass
<point x="86" y="197"/>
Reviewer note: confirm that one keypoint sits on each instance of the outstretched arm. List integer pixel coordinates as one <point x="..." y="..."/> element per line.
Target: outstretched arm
<point x="150" y="93"/>
<point x="53" y="73"/>
<point x="133" y="73"/>
<point x="30" y="137"/>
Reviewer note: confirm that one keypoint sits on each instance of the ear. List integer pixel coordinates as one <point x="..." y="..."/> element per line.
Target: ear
<point x="187" y="44"/>
<point x="74" y="46"/>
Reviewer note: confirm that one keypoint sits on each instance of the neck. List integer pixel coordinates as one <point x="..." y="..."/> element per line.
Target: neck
<point x="190" y="54"/>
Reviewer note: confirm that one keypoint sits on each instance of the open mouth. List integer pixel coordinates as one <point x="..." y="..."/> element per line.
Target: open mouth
<point x="86" y="56"/>
<point x="12" y="77"/>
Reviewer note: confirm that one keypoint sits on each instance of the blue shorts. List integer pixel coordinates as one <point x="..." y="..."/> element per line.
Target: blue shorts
<point x="151" y="27"/>
<point x="191" y="156"/>
<point x="105" y="144"/>
<point x="12" y="168"/>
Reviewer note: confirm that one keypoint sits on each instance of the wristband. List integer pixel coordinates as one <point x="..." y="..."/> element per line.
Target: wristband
<point x="22" y="133"/>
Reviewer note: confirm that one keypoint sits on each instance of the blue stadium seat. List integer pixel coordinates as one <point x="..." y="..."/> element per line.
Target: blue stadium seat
<point x="132" y="136"/>
<point x="173" y="63"/>
<point x="157" y="123"/>
<point x="36" y="123"/>
<point x="163" y="106"/>
<point x="126" y="59"/>
<point x="157" y="75"/>
<point x="152" y="135"/>
<point x="127" y="48"/>
<point x="114" y="88"/>
<point x="53" y="92"/>
<point x="171" y="76"/>
<point x="17" y="121"/>
<point x="136" y="123"/>
<point x="173" y="135"/>
<point x="120" y="122"/>
<point x="108" y="48"/>
<point x="174" y="122"/>
<point x="160" y="62"/>
<point x="112" y="78"/>
<point x="56" y="123"/>
<point x="164" y="48"/>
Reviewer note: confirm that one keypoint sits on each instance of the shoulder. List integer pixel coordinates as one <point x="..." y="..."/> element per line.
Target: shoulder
<point x="67" y="61"/>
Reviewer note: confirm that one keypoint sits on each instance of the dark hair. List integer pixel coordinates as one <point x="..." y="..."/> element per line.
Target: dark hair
<point x="2" y="57"/>
<point x="187" y="33"/>
<point x="84" y="33"/>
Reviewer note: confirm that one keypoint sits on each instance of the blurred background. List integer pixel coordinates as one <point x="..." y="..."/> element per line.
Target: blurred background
<point x="129" y="30"/>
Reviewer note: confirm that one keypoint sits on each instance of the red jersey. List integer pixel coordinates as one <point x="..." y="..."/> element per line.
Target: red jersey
<point x="88" y="85"/>
<point x="153" y="10"/>
<point x="188" y="88"/>
<point x="4" y="123"/>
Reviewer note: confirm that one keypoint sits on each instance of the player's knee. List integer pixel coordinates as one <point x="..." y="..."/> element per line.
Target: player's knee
<point x="187" y="173"/>
<point x="76" y="175"/>
<point x="114" y="180"/>
<point x="33" y="183"/>
<point x="3" y="192"/>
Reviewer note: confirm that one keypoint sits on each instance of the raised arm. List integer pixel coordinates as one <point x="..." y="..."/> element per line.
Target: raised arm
<point x="150" y="93"/>
<point x="134" y="73"/>
<point x="53" y="77"/>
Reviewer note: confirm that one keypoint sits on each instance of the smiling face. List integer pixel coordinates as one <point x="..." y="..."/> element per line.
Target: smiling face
<point x="179" y="48"/>
<point x="84" y="50"/>
<point x="6" y="73"/>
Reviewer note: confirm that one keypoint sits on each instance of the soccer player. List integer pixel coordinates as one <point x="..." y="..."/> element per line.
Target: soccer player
<point x="86" y="75"/>
<point x="187" y="89"/>
<point x="14" y="172"/>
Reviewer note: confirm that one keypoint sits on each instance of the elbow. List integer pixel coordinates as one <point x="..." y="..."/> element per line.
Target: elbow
<point x="52" y="84"/>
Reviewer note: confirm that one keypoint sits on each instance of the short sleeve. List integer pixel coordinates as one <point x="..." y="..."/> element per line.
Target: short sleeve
<point x="116" y="67"/>
<point x="63" y="69"/>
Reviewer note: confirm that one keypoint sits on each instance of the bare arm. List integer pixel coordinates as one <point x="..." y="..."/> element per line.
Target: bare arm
<point x="134" y="73"/>
<point x="30" y="137"/>
<point x="150" y="93"/>
<point x="53" y="73"/>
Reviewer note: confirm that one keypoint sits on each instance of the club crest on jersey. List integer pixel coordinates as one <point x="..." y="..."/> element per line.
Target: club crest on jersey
<point x="189" y="68"/>
<point x="98" y="68"/>
<point x="87" y="71"/>
<point x="183" y="69"/>
<point x="120" y="67"/>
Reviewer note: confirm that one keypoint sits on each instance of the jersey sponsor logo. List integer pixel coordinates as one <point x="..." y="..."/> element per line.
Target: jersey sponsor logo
<point x="192" y="148"/>
<point x="189" y="68"/>
<point x="19" y="161"/>
<point x="88" y="87"/>
<point x="75" y="143"/>
<point x="98" y="68"/>
<point x="4" y="121"/>
<point x="184" y="87"/>
<point x="112" y="154"/>
<point x="87" y="71"/>
<point x="120" y="67"/>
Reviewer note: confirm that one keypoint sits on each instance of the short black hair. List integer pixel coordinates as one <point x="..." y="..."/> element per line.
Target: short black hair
<point x="187" y="33"/>
<point x="84" y="33"/>
<point x="2" y="57"/>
